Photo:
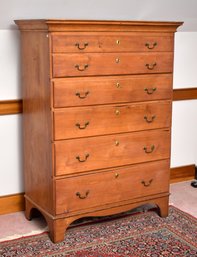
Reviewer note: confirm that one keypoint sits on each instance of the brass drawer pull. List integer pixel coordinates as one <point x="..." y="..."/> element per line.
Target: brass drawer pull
<point x="146" y="150"/>
<point x="150" y="91"/>
<point x="147" y="184"/>
<point x="149" y="120"/>
<point x="82" y="96"/>
<point x="82" y="127"/>
<point x="81" y="196"/>
<point x="81" y="68"/>
<point x="79" y="159"/>
<point x="151" y="46"/>
<point x="151" y="66"/>
<point x="82" y="47"/>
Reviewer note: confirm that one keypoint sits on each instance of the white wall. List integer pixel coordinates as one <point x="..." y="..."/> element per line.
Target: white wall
<point x="184" y="122"/>
<point x="184" y="118"/>
<point x="10" y="64"/>
<point x="184" y="133"/>
<point x="185" y="65"/>
<point x="11" y="178"/>
<point x="168" y="10"/>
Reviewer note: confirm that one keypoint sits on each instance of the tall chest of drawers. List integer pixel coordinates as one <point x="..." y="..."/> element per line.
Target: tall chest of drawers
<point x="97" y="99"/>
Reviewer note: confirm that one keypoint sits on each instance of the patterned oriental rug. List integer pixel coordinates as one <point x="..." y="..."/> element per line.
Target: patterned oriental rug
<point x="143" y="234"/>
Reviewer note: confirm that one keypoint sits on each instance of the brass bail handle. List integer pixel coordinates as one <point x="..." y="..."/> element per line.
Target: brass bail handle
<point x="82" y="95"/>
<point x="150" y="150"/>
<point x="82" y="160"/>
<point x="149" y="119"/>
<point x="151" y="45"/>
<point x="81" y="46"/>
<point x="150" y="91"/>
<point x="151" y="66"/>
<point x="82" y="127"/>
<point x="81" y="67"/>
<point x="82" y="196"/>
<point x="147" y="184"/>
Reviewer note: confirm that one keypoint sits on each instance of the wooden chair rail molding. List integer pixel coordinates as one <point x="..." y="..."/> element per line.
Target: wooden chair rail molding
<point x="16" y="106"/>
<point x="184" y="94"/>
<point x="10" y="106"/>
<point x="16" y="202"/>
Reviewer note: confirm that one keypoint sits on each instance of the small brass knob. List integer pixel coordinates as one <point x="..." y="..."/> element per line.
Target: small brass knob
<point x="118" y="42"/>
<point x="118" y="85"/>
<point x="117" y="143"/>
<point x="117" y="60"/>
<point x="116" y="175"/>
<point x="117" y="112"/>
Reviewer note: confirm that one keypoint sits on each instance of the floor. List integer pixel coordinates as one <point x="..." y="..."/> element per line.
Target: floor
<point x="15" y="225"/>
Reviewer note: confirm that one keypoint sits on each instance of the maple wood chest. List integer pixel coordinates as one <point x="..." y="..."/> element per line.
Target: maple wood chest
<point x="97" y="100"/>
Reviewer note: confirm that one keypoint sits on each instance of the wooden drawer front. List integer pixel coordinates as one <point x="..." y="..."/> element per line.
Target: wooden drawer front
<point x="78" y="155"/>
<point x="68" y="65"/>
<point x="83" y="192"/>
<point x="110" y="42"/>
<point x="100" y="120"/>
<point x="102" y="90"/>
